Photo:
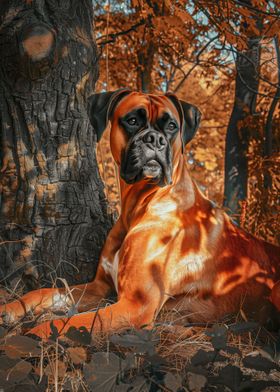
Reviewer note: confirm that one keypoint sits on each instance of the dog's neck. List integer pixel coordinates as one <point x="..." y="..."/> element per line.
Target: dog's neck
<point x="135" y="198"/>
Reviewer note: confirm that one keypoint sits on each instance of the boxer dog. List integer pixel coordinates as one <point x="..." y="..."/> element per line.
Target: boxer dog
<point x="170" y="243"/>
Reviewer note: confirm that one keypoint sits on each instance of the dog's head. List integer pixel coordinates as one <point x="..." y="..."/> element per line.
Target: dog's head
<point x="146" y="131"/>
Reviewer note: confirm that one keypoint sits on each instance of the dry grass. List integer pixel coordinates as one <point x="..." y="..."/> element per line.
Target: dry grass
<point x="61" y="365"/>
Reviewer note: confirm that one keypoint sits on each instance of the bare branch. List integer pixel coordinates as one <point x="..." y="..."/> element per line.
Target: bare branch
<point x="256" y="10"/>
<point x="197" y="61"/>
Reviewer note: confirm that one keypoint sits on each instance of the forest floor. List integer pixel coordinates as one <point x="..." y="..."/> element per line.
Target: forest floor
<point x="234" y="355"/>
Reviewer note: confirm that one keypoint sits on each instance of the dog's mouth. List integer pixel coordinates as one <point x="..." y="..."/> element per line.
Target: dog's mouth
<point x="152" y="169"/>
<point x="142" y="165"/>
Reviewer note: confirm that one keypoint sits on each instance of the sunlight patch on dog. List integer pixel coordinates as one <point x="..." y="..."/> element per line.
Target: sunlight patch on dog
<point x="156" y="253"/>
<point x="247" y="270"/>
<point x="189" y="267"/>
<point x="193" y="263"/>
<point x="155" y="250"/>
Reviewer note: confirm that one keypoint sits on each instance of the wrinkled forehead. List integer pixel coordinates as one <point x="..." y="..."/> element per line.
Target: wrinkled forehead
<point x="155" y="106"/>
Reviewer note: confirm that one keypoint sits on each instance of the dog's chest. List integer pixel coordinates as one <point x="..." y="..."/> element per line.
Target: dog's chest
<point x="112" y="268"/>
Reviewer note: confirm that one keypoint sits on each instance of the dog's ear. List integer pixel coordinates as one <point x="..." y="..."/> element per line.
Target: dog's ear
<point x="101" y="107"/>
<point x="189" y="117"/>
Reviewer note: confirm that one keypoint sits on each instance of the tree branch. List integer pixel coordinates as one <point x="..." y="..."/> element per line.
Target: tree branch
<point x="111" y="38"/>
<point x="252" y="8"/>
<point x="268" y="126"/>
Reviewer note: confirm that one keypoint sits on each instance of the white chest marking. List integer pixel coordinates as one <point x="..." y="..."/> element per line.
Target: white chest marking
<point x="60" y="301"/>
<point x="112" y="268"/>
<point x="163" y="207"/>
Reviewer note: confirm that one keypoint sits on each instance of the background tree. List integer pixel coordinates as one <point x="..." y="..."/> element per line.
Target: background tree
<point x="240" y="124"/>
<point x="53" y="211"/>
<point x="250" y="27"/>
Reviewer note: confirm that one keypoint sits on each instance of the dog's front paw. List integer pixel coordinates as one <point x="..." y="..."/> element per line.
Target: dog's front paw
<point x="10" y="313"/>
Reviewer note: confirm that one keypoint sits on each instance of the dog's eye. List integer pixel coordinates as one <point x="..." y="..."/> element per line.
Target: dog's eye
<point x="132" y="121"/>
<point x="172" y="126"/>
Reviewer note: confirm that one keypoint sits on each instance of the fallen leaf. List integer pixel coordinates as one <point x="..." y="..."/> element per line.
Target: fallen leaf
<point x="77" y="354"/>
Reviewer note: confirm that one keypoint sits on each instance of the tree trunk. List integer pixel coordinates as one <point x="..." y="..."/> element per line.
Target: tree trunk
<point x="145" y="58"/>
<point x="53" y="217"/>
<point x="237" y="139"/>
<point x="147" y="50"/>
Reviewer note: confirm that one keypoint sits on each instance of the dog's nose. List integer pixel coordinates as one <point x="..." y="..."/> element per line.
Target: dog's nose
<point x="154" y="140"/>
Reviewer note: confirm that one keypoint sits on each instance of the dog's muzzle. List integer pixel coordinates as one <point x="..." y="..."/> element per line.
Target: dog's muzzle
<point x="148" y="156"/>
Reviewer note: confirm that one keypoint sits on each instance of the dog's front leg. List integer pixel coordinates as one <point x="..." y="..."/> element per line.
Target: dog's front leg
<point x="141" y="295"/>
<point x="121" y="315"/>
<point x="83" y="297"/>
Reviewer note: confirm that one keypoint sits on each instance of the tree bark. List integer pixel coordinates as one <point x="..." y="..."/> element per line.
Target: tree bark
<point x="147" y="50"/>
<point x="237" y="138"/>
<point x="53" y="212"/>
